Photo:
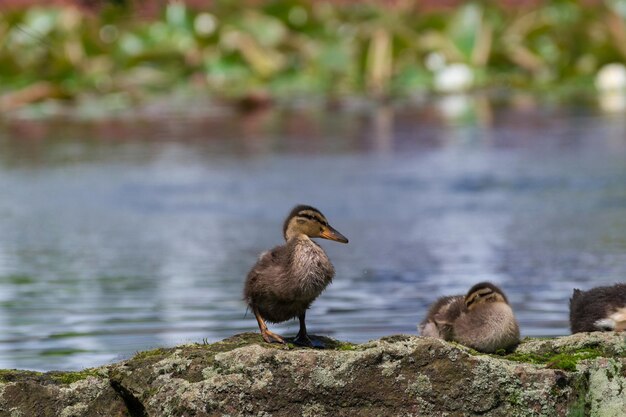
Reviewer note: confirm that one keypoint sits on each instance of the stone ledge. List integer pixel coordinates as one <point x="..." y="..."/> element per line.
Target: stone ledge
<point x="579" y="375"/>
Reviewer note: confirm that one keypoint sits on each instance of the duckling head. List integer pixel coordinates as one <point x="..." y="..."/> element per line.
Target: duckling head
<point x="309" y="221"/>
<point x="484" y="292"/>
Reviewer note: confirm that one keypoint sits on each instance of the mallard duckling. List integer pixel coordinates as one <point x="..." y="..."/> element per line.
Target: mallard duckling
<point x="482" y="319"/>
<point x="286" y="280"/>
<point x="599" y="309"/>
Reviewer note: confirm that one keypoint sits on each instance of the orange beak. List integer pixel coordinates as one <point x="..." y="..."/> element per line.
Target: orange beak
<point x="331" y="234"/>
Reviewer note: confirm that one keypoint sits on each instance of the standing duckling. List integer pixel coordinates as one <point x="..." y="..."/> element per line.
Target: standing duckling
<point x="286" y="280"/>
<point x="482" y="320"/>
<point x="599" y="309"/>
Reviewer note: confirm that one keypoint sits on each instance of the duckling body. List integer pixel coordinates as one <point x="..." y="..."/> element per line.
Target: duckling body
<point x="441" y="314"/>
<point x="487" y="328"/>
<point x="599" y="309"/>
<point x="482" y="319"/>
<point x="285" y="281"/>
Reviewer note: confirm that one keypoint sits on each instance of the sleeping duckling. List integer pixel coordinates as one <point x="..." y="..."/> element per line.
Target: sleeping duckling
<point x="482" y="320"/>
<point x="599" y="309"/>
<point x="286" y="280"/>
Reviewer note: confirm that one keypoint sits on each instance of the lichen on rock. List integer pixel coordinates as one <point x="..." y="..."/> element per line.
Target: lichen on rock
<point x="607" y="387"/>
<point x="401" y="375"/>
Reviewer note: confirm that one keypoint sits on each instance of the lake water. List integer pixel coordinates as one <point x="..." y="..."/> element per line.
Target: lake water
<point x="128" y="233"/>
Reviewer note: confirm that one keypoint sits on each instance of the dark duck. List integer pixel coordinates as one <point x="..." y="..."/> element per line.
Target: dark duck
<point x="287" y="279"/>
<point x="599" y="309"/>
<point x="482" y="319"/>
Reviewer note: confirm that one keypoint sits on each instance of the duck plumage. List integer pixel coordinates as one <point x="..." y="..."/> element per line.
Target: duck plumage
<point x="598" y="309"/>
<point x="482" y="319"/>
<point x="287" y="279"/>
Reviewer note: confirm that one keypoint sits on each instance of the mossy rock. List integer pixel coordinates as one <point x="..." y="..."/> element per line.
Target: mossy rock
<point x="396" y="375"/>
<point x="53" y="394"/>
<point x="400" y="375"/>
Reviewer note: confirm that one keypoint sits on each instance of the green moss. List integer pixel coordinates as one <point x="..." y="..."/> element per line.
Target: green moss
<point x="530" y="339"/>
<point x="578" y="410"/>
<point x="579" y="406"/>
<point x="515" y="399"/>
<point x="9" y="375"/>
<point x="150" y="353"/>
<point x="70" y="377"/>
<point x="14" y="375"/>
<point x="332" y="344"/>
<point x="347" y="346"/>
<point x="565" y="361"/>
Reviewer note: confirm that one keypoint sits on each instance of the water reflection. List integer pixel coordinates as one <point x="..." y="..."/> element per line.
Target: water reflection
<point x="124" y="234"/>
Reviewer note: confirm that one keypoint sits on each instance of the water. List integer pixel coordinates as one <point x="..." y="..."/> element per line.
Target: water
<point x="125" y="234"/>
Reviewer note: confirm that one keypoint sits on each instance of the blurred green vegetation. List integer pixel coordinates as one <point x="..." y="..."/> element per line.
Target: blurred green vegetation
<point x="291" y="48"/>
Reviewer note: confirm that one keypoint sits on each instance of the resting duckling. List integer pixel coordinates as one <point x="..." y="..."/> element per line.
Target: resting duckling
<point x="599" y="309"/>
<point x="286" y="280"/>
<point x="482" y="320"/>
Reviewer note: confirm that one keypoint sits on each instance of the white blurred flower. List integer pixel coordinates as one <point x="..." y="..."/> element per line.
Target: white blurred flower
<point x="435" y="61"/>
<point x="205" y="24"/>
<point x="131" y="44"/>
<point x="612" y="101"/>
<point x="176" y="13"/>
<point x="611" y="77"/>
<point x="454" y="78"/>
<point x="454" y="106"/>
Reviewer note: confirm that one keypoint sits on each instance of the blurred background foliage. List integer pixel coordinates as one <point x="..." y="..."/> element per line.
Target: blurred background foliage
<point x="264" y="50"/>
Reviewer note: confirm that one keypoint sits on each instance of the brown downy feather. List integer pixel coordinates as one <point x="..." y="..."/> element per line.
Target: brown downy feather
<point x="599" y="309"/>
<point x="440" y="317"/>
<point x="482" y="319"/>
<point x="286" y="280"/>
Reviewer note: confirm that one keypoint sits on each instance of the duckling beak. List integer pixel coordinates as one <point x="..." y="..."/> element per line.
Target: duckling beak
<point x="331" y="234"/>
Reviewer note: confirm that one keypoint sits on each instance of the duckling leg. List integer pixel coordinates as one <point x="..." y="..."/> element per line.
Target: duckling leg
<point x="268" y="336"/>
<point x="303" y="339"/>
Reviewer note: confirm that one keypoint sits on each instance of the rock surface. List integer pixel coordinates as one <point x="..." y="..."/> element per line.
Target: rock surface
<point x="72" y="394"/>
<point x="579" y="375"/>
